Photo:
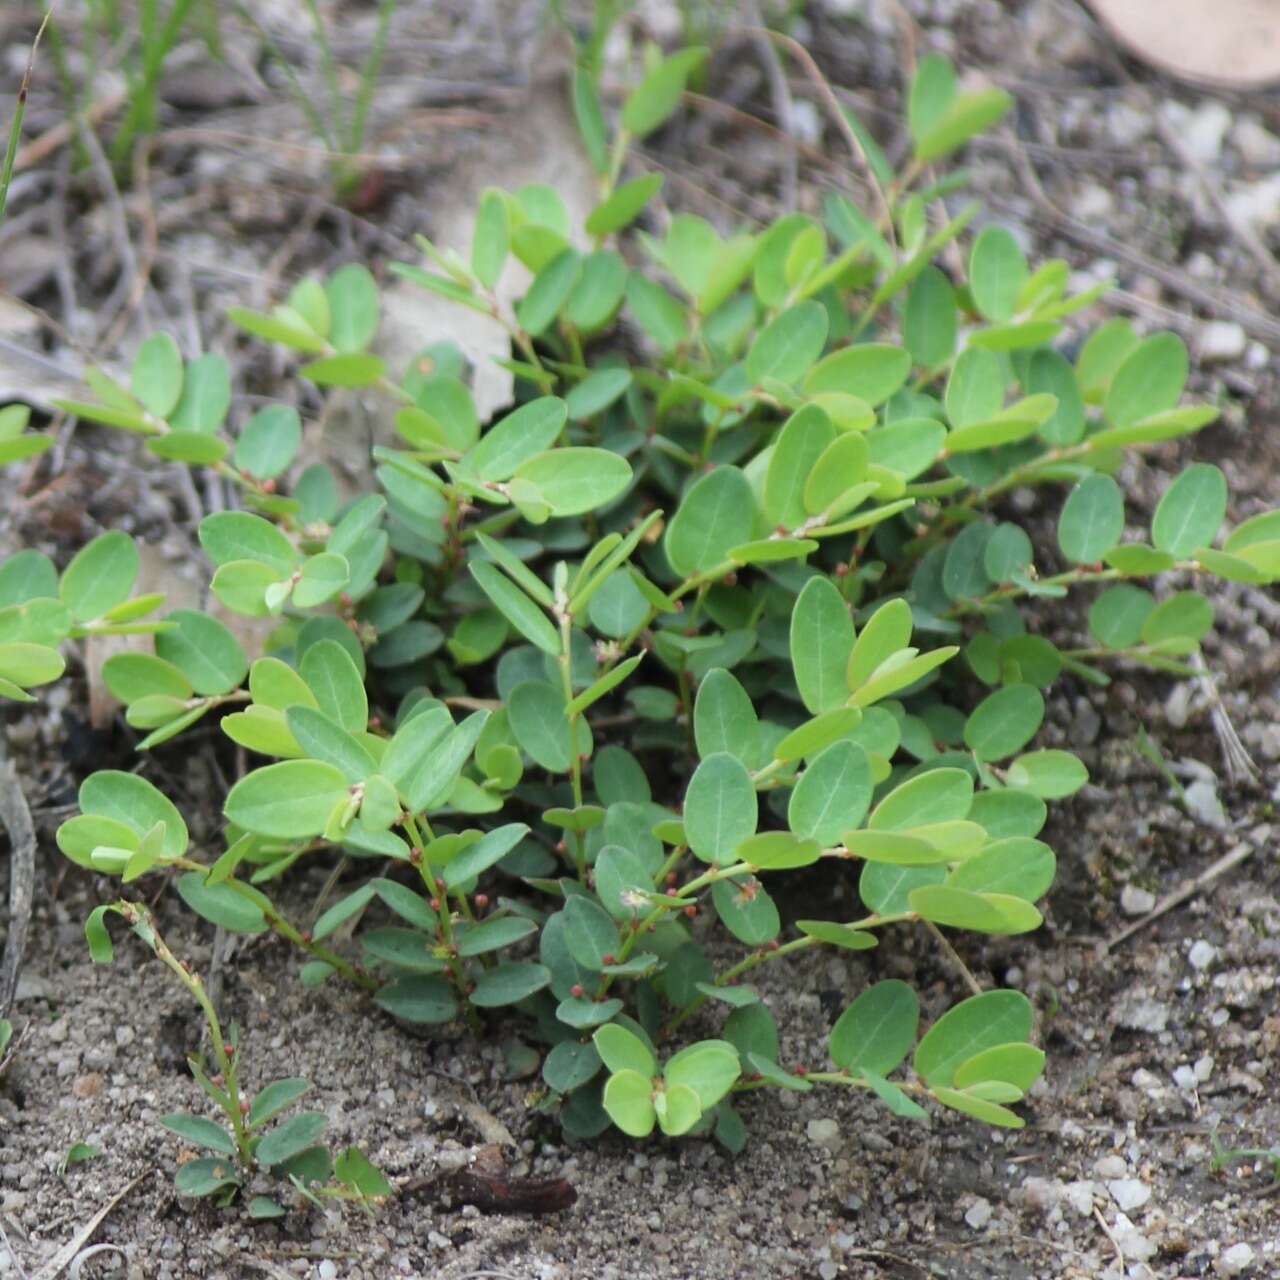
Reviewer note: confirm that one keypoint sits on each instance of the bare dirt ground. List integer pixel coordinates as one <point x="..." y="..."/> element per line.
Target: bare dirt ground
<point x="1160" y="1044"/>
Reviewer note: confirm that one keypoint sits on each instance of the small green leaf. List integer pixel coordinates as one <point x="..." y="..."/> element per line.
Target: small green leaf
<point x="1148" y="381"/>
<point x="514" y="439"/>
<point x="832" y="795"/>
<point x="1051" y="774"/>
<point x="156" y="378"/>
<point x="628" y="1101"/>
<point x="997" y="272"/>
<point x="658" y="94"/>
<point x="715" y="515"/>
<point x="1092" y="519"/>
<point x="876" y="1032"/>
<point x="720" y="809"/>
<point x="509" y="983"/>
<point x="724" y="718"/>
<point x="623" y="206"/>
<point x="100" y="576"/>
<point x="291" y="800"/>
<point x="621" y="1050"/>
<point x="1191" y="511"/>
<point x="204" y="650"/>
<point x="789" y="345"/>
<point x="571" y="481"/>
<point x="516" y="607"/>
<point x="269" y="442"/>
<point x="822" y="638"/>
<point x="974" y="1025"/>
<point x="221" y="904"/>
<point x="352" y="294"/>
<point x="1004" y="722"/>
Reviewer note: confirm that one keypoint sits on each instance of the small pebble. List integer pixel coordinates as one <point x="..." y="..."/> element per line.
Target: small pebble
<point x="1201" y="955"/>
<point x="327" y="1270"/>
<point x="1185" y="1078"/>
<point x="1221" y="340"/>
<point x="1203" y="1068"/>
<point x="978" y="1214"/>
<point x="1111" y="1167"/>
<point x="1234" y="1261"/>
<point x="824" y="1133"/>
<point x="1129" y="1193"/>
<point x="1135" y="901"/>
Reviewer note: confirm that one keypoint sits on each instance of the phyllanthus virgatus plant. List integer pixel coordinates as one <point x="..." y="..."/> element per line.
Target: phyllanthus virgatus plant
<point x="730" y="592"/>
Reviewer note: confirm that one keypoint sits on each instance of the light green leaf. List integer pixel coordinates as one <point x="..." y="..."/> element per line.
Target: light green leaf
<point x="291" y="800"/>
<point x="1191" y="511"/>
<point x="716" y="514"/>
<point x="720" y="809"/>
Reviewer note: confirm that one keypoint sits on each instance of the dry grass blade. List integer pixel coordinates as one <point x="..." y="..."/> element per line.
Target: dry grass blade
<point x="20" y="111"/>
<point x="16" y="818"/>
<point x="70" y="1252"/>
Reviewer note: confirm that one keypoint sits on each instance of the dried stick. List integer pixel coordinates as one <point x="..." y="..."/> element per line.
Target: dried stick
<point x="16" y="817"/>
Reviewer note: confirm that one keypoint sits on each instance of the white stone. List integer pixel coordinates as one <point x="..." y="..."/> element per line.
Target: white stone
<point x="825" y="1133"/>
<point x="804" y="123"/>
<point x="1041" y="1193"/>
<point x="1258" y="146"/>
<point x="1135" y="901"/>
<point x="1092" y="203"/>
<point x="1185" y="1078"/>
<point x="327" y="1270"/>
<point x="1129" y="1193"/>
<point x="1234" y="1261"/>
<point x="1202" y="801"/>
<point x="1201" y="955"/>
<point x="1133" y="1244"/>
<point x="1079" y="1196"/>
<point x="1257" y="203"/>
<point x="1221" y="340"/>
<point x="1204" y="131"/>
<point x="978" y="1214"/>
<point x="1111" y="1167"/>
<point x="1203" y="1069"/>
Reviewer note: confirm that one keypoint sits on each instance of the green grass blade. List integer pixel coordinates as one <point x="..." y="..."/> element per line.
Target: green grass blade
<point x="19" y="113"/>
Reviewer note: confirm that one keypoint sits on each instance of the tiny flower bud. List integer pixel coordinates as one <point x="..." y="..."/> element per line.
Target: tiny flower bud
<point x="576" y="991"/>
<point x="268" y="486"/>
<point x="481" y="900"/>
<point x="435" y="904"/>
<point x="690" y="912"/>
<point x="608" y="959"/>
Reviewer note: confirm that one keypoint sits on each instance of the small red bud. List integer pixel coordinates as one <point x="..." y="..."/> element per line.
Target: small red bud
<point x="440" y="886"/>
<point x="345" y="600"/>
<point x="690" y="912"/>
<point x="842" y="571"/>
<point x="306" y="935"/>
<point x="576" y="991"/>
<point x="415" y="856"/>
<point x="375" y="723"/>
<point x="244" y="1106"/>
<point x="772" y="945"/>
<point x="481" y="900"/>
<point x="217" y="1080"/>
<point x="671" y="893"/>
<point x="671" y="877"/>
<point x="608" y="959"/>
<point x="268" y="486"/>
<point x="730" y="579"/>
<point x="435" y="904"/>
<point x="679" y="606"/>
<point x="562" y="846"/>
<point x="798" y="1070"/>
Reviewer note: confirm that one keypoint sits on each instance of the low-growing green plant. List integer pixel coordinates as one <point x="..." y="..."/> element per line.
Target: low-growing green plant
<point x="242" y="1143"/>
<point x="730" y="593"/>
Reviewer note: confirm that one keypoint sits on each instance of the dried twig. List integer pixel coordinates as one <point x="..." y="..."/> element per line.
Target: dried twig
<point x="1180" y="895"/>
<point x="954" y="956"/>
<point x="71" y="1250"/>
<point x="837" y="113"/>
<point x="16" y="817"/>
<point x="780" y="96"/>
